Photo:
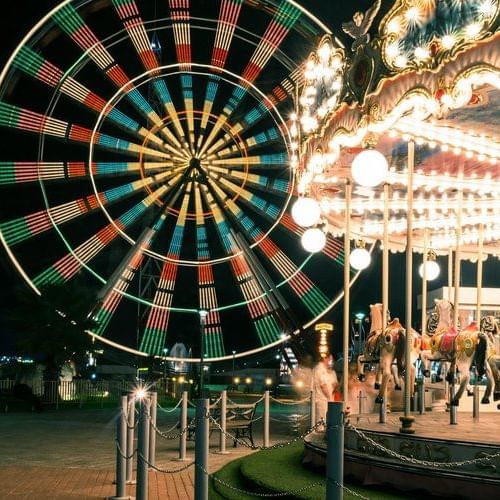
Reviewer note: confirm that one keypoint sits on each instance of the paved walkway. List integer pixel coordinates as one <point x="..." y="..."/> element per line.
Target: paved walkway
<point x="46" y="483"/>
<point x="70" y="454"/>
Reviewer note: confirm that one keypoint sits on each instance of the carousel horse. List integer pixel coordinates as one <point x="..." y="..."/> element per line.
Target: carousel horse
<point x="488" y="355"/>
<point x="382" y="346"/>
<point x="440" y="367"/>
<point x="459" y="348"/>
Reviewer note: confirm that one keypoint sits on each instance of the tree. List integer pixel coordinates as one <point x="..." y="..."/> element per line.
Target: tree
<point x="51" y="327"/>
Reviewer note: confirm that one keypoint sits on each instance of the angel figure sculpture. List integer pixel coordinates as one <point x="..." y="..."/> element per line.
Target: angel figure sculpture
<point x="360" y="24"/>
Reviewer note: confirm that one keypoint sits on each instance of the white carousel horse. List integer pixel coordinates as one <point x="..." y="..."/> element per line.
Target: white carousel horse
<point x="383" y="346"/>
<point x="456" y="347"/>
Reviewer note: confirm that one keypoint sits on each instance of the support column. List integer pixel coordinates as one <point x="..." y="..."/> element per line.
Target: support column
<point x="335" y="451"/>
<point x="201" y="451"/>
<point x="183" y="423"/>
<point x="407" y="419"/>
<point x="266" y="419"/>
<point x="347" y="291"/>
<point x="152" y="431"/>
<point x="142" y="451"/>
<point x="130" y="438"/>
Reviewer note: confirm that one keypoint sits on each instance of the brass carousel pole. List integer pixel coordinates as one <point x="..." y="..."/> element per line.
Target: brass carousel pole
<point x="385" y="258"/>
<point x="347" y="254"/>
<point x="450" y="272"/>
<point x="424" y="283"/>
<point x="479" y="273"/>
<point x="407" y="419"/>
<point x="458" y="242"/>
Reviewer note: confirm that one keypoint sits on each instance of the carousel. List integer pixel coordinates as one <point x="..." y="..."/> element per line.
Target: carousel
<point x="397" y="149"/>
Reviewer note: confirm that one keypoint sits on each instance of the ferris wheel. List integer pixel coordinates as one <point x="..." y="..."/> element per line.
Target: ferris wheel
<point x="147" y="152"/>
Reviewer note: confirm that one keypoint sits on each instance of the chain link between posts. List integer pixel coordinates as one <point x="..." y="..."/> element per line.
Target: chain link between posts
<point x="165" y="410"/>
<point x="274" y="446"/>
<point x="167" y="436"/>
<point x="416" y="461"/>
<point x="123" y="455"/>
<point x="293" y="403"/>
<point x="165" y="471"/>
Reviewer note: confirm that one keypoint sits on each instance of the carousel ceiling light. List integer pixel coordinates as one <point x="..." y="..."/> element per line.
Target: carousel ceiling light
<point x="360" y="257"/>
<point x="448" y="41"/>
<point x="394" y="26"/>
<point x="472" y="30"/>
<point x="412" y="14"/>
<point x="313" y="240"/>
<point x="369" y="168"/>
<point x="432" y="269"/>
<point x="487" y="9"/>
<point x="393" y="50"/>
<point x="306" y="212"/>
<point x="421" y="53"/>
<point x="401" y="61"/>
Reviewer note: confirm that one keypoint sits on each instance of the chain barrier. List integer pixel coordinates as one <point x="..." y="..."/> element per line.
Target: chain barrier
<point x="165" y="471"/>
<point x="290" y="419"/>
<point x="230" y="401"/>
<point x="165" y="410"/>
<point x="167" y="436"/>
<point x="301" y="401"/>
<point x="130" y="427"/>
<point x="216" y="402"/>
<point x="123" y="455"/>
<point x="416" y="461"/>
<point x="274" y="446"/>
<point x="255" y="494"/>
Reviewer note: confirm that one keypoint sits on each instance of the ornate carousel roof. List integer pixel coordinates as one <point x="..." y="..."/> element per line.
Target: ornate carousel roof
<point x="431" y="77"/>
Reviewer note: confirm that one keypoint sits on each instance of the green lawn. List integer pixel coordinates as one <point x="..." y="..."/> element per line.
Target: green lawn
<point x="280" y="470"/>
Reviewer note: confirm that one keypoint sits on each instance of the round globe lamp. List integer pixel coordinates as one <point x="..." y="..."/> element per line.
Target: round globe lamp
<point x="306" y="212"/>
<point x="313" y="240"/>
<point x="432" y="270"/>
<point x="369" y="168"/>
<point x="360" y="259"/>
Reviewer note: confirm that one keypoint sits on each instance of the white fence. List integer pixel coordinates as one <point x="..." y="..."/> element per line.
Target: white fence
<point x="74" y="391"/>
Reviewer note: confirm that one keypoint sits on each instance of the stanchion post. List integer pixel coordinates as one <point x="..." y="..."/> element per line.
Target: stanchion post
<point x="142" y="451"/>
<point x="382" y="411"/>
<point x="121" y="442"/>
<point x="453" y="408"/>
<point x="183" y="424"/>
<point x="223" y="412"/>
<point x="475" y="402"/>
<point x="130" y="438"/>
<point x="266" y="419"/>
<point x="335" y="451"/>
<point x="152" y="432"/>
<point x="360" y="408"/>
<point x="201" y="451"/>
<point x="313" y="409"/>
<point x="421" y="395"/>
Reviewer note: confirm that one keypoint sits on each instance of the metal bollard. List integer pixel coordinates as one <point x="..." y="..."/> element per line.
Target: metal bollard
<point x="335" y="451"/>
<point x="265" y="419"/>
<point x="382" y="411"/>
<point x="152" y="432"/>
<point x="223" y="413"/>
<point x="453" y="409"/>
<point x="201" y="451"/>
<point x="421" y="396"/>
<point x="183" y="422"/>
<point x="121" y="440"/>
<point x="130" y="438"/>
<point x="142" y="451"/>
<point x="313" y="409"/>
<point x="475" y="402"/>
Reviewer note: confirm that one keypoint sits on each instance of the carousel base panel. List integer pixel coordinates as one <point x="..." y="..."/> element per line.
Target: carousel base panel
<point x="435" y="440"/>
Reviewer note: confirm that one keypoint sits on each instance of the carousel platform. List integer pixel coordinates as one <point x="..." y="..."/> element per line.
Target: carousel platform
<point x="374" y="454"/>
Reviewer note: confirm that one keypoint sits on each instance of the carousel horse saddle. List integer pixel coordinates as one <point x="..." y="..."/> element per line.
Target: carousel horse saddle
<point x="445" y="342"/>
<point x="372" y="343"/>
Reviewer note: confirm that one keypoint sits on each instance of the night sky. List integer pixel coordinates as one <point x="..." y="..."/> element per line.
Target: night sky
<point x="17" y="17"/>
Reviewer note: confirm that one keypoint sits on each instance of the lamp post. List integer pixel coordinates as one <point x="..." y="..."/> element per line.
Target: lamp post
<point x="165" y="352"/>
<point x="232" y="375"/>
<point x="359" y="320"/>
<point x="203" y="317"/>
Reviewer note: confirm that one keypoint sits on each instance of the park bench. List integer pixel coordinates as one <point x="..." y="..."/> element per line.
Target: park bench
<point x="239" y="421"/>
